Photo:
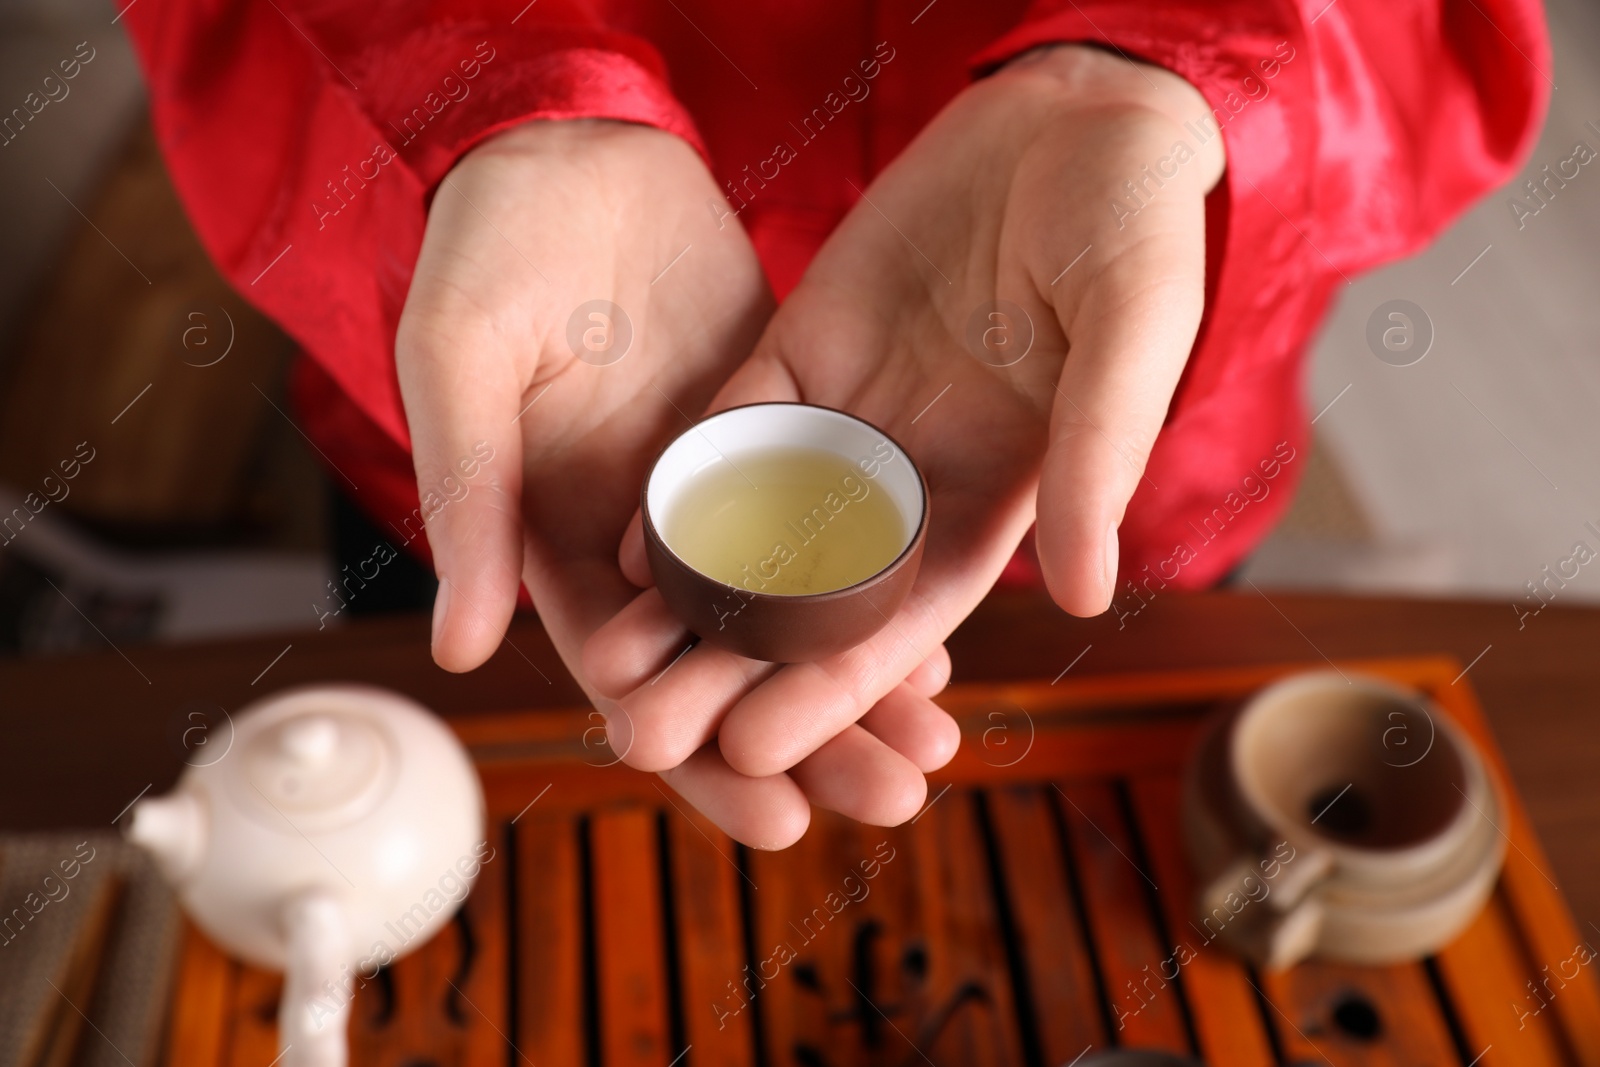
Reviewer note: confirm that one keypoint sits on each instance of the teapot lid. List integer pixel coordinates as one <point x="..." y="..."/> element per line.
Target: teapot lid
<point x="316" y="769"/>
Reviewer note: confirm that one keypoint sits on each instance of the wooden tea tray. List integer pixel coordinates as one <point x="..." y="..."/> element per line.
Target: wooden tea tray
<point x="1032" y="912"/>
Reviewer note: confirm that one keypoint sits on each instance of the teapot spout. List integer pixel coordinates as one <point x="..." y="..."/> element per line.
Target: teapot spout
<point x="172" y="830"/>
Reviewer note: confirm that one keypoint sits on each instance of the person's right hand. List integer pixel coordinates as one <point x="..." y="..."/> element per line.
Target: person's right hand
<point x="525" y="230"/>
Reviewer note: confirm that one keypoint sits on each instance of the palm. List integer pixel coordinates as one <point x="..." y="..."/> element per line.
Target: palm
<point x="595" y="426"/>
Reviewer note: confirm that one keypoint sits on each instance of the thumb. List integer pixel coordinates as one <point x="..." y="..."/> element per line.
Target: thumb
<point x="1130" y="336"/>
<point x="462" y="397"/>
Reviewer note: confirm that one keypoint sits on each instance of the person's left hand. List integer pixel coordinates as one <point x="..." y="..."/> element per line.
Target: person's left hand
<point x="1006" y="196"/>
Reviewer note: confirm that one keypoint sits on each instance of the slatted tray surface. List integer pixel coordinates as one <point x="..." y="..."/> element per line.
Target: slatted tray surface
<point x="1036" y="909"/>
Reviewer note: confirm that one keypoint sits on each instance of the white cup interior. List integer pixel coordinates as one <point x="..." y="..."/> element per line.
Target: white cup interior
<point x="726" y="436"/>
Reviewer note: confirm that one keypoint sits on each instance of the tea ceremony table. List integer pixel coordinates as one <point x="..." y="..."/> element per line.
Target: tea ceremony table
<point x="1029" y="915"/>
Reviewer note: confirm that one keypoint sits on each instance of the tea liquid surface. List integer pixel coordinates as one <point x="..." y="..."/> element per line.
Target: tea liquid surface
<point x="786" y="521"/>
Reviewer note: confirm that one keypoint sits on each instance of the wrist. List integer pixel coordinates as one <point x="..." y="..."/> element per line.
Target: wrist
<point x="1073" y="78"/>
<point x="588" y="153"/>
<point x="554" y="135"/>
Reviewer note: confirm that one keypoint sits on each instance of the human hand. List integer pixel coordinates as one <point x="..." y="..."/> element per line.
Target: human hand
<point x="528" y="227"/>
<point x="1005" y="196"/>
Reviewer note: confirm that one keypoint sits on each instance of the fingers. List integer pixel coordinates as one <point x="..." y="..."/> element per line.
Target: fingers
<point x="858" y="776"/>
<point x="800" y="707"/>
<point x="633" y="646"/>
<point x="679" y="708"/>
<point x="871" y="773"/>
<point x="461" y="398"/>
<point x="766" y="813"/>
<point x="631" y="556"/>
<point x="929" y="677"/>
<point x="761" y="378"/>
<point x="915" y="727"/>
<point x="1130" y="331"/>
<point x="672" y="695"/>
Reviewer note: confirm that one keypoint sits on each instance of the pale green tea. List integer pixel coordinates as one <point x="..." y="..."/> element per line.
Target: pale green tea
<point x="787" y="521"/>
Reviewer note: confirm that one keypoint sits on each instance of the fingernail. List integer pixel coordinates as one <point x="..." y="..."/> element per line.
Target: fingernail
<point x="441" y="607"/>
<point x="1111" y="561"/>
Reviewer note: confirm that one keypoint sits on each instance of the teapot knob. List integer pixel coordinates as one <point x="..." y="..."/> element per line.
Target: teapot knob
<point x="310" y="739"/>
<point x="172" y="830"/>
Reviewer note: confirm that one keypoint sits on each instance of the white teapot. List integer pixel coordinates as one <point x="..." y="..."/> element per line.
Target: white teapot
<point x="341" y="828"/>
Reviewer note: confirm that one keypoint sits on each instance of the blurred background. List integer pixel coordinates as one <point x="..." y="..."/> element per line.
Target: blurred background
<point x="207" y="513"/>
<point x="1465" y="473"/>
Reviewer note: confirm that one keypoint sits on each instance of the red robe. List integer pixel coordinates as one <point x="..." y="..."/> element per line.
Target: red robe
<point x="306" y="138"/>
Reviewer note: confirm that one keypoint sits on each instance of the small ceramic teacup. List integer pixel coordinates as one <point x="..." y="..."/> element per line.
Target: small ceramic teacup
<point x="1340" y="816"/>
<point x="787" y="527"/>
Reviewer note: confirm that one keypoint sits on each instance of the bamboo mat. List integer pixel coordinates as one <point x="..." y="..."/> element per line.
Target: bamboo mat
<point x="88" y="938"/>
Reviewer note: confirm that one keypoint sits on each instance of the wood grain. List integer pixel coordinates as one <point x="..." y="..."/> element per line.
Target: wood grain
<point x="1217" y="985"/>
<point x="184" y="454"/>
<point x="1545" y="924"/>
<point x="198" y="1031"/>
<point x="1321" y="1012"/>
<point x="1145" y="1006"/>
<point x="630" y="956"/>
<point x="1487" y="973"/>
<point x="253" y="1033"/>
<point x="838" y="924"/>
<point x="707" y="888"/>
<point x="550" y="975"/>
<point x="968" y="1010"/>
<point x="1044" y="910"/>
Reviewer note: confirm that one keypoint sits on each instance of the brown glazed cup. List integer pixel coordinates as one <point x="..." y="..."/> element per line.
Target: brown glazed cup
<point x="768" y="626"/>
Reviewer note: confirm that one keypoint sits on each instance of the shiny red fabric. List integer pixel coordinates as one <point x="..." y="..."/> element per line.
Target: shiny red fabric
<point x="306" y="136"/>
